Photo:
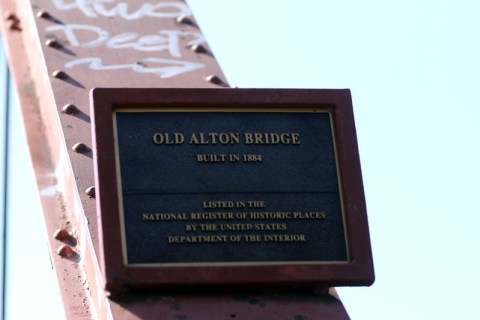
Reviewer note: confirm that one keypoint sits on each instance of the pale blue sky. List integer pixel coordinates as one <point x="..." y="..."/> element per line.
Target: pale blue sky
<point x="413" y="68"/>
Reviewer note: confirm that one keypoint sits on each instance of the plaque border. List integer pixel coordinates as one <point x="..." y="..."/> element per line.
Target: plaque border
<point x="358" y="270"/>
<point x="211" y="110"/>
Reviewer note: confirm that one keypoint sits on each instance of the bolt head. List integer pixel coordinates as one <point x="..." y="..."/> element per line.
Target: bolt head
<point x="59" y="74"/>
<point x="53" y="43"/>
<point x="183" y="19"/>
<point x="198" y="48"/>
<point x="70" y="109"/>
<point x="213" y="79"/>
<point x="216" y="80"/>
<point x="90" y="192"/>
<point x="43" y="14"/>
<point x="79" y="148"/>
<point x="65" y="251"/>
<point x="61" y="234"/>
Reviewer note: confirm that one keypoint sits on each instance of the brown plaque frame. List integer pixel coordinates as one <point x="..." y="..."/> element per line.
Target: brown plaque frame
<point x="356" y="272"/>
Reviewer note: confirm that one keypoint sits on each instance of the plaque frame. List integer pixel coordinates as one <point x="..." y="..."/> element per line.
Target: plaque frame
<point x="357" y="271"/>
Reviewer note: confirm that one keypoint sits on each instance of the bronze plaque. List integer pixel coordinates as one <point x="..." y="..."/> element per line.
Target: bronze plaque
<point x="194" y="184"/>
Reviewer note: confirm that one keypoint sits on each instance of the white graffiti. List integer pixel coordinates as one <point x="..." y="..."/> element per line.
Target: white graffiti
<point x="90" y="36"/>
<point x="96" y="8"/>
<point x="164" y="40"/>
<point x="169" y="69"/>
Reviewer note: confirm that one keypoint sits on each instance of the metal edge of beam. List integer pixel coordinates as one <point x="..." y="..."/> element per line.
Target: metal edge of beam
<point x="52" y="170"/>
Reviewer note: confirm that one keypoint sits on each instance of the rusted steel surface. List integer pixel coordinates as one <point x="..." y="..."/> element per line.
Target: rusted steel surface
<point x="58" y="51"/>
<point x="235" y="306"/>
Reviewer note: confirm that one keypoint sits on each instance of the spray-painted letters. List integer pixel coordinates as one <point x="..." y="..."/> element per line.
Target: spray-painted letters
<point x="92" y="36"/>
<point x="169" y="69"/>
<point x="96" y="8"/>
<point x="164" y="40"/>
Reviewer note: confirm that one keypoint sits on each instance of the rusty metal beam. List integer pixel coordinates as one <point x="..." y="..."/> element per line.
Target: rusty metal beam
<point x="58" y="51"/>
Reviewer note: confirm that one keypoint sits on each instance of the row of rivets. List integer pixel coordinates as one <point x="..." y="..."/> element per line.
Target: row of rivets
<point x="65" y="250"/>
<point x="82" y="148"/>
<point x="79" y="147"/>
<point x="198" y="48"/>
<point x="59" y="74"/>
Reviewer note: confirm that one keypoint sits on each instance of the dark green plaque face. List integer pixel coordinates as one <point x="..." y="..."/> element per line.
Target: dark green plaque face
<point x="246" y="187"/>
<point x="228" y="187"/>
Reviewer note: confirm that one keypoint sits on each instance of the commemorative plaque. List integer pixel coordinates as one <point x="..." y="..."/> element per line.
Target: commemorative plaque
<point x="229" y="187"/>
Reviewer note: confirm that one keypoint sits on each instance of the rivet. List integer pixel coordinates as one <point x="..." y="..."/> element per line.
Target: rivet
<point x="198" y="48"/>
<point x="79" y="148"/>
<point x="183" y="19"/>
<point x="53" y="43"/>
<point x="90" y="192"/>
<point x="61" y="234"/>
<point x="215" y="80"/>
<point x="43" y="14"/>
<point x="70" y="109"/>
<point x="65" y="251"/>
<point x="59" y="74"/>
